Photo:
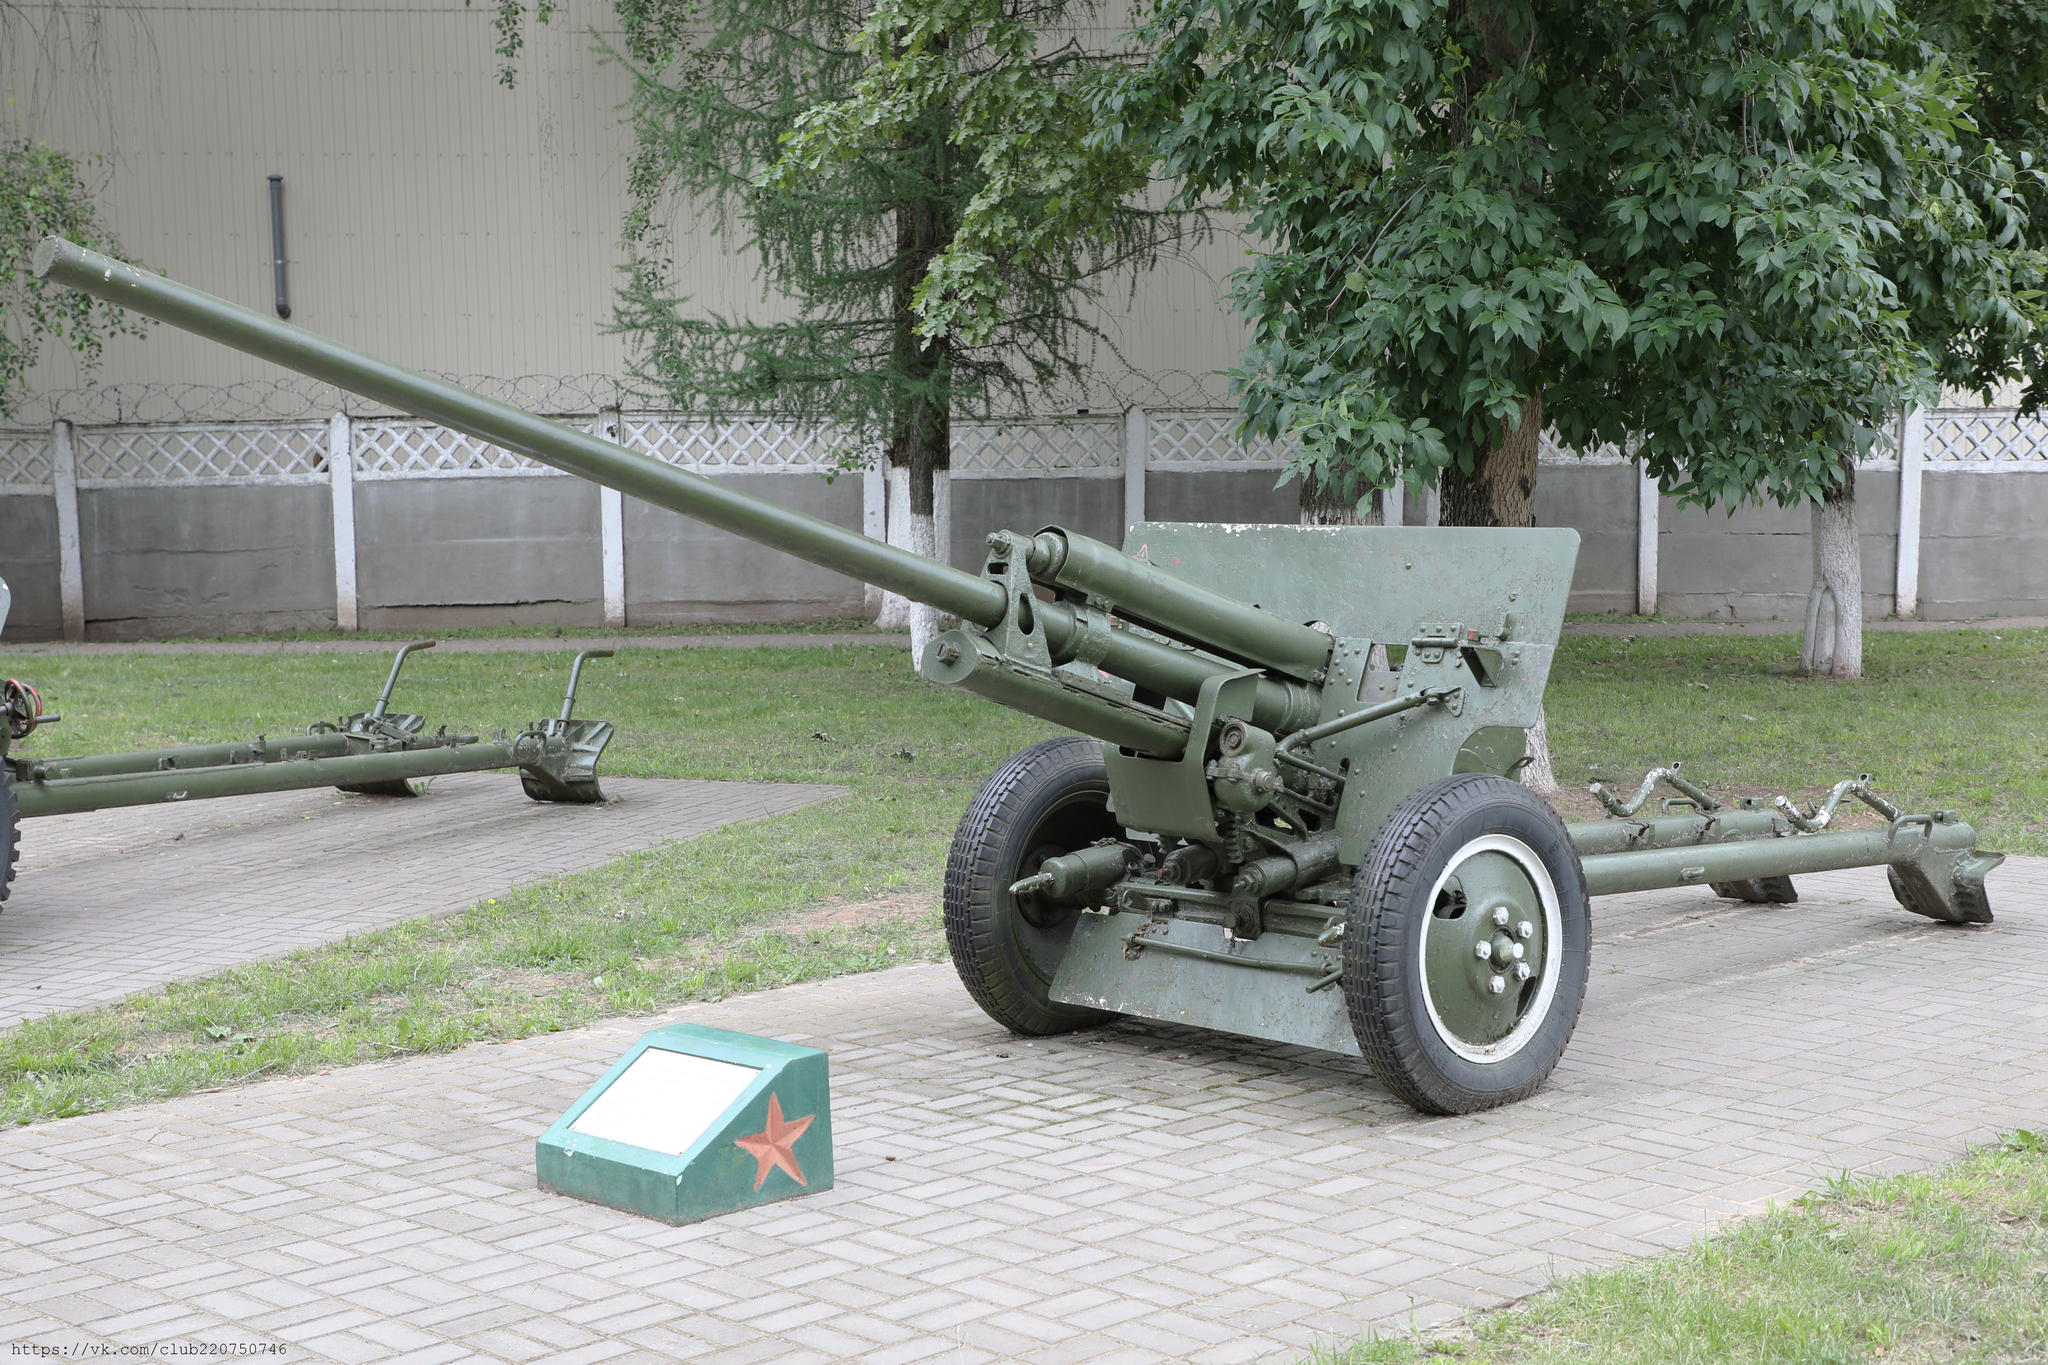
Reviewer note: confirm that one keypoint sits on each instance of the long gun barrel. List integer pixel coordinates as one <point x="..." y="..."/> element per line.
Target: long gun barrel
<point x="1148" y="663"/>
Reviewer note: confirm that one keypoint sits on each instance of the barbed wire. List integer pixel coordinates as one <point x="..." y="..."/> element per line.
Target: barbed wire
<point x="296" y="398"/>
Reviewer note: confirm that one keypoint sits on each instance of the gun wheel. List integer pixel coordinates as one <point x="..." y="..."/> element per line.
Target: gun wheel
<point x="1465" y="948"/>
<point x="1049" y="799"/>
<point x="10" y="829"/>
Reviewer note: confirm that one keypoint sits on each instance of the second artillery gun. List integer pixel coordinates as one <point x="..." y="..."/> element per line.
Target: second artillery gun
<point x="379" y="752"/>
<point x="1265" y="830"/>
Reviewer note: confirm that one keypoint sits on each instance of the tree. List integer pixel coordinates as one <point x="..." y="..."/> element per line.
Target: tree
<point x="41" y="194"/>
<point x="762" y="113"/>
<point x="2001" y="48"/>
<point x="1743" y="234"/>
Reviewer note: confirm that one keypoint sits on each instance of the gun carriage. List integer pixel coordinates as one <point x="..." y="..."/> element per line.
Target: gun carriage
<point x="379" y="752"/>
<point x="1266" y="825"/>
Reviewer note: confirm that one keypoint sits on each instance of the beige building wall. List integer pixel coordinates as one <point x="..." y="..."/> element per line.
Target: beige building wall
<point x="432" y="215"/>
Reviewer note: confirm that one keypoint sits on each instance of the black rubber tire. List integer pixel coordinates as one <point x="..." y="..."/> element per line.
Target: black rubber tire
<point x="1759" y="891"/>
<point x="10" y="831"/>
<point x="1052" y="795"/>
<point x="1383" y="988"/>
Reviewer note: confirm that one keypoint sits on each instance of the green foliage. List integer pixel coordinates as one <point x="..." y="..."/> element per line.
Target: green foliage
<point x="1685" y="224"/>
<point x="1047" y="197"/>
<point x="840" y="147"/>
<point x="1744" y="233"/>
<point x="42" y="194"/>
<point x="508" y="21"/>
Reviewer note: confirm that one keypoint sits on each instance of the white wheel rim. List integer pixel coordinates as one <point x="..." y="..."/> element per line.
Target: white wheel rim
<point x="1531" y="1023"/>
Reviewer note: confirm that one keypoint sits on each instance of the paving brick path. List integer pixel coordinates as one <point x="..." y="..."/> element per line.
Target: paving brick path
<point x="112" y="901"/>
<point x="1139" y="1194"/>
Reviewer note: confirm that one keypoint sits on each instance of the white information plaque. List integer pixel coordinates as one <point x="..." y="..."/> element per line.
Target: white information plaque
<point x="665" y="1100"/>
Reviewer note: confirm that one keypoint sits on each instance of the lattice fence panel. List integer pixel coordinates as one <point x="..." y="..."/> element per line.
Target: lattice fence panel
<point x="25" y="459"/>
<point x="179" y="454"/>
<point x="1549" y="450"/>
<point x="1086" y="448"/>
<point x="409" y="449"/>
<point x="1986" y="437"/>
<point x="754" y="445"/>
<point x="1205" y="440"/>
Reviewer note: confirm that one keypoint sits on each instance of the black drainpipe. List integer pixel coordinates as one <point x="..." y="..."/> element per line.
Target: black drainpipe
<point x="284" y="300"/>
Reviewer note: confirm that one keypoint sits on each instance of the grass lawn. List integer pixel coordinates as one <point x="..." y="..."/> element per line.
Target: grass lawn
<point x="1944" y="1266"/>
<point x="1955" y="720"/>
<point x="1950" y="720"/>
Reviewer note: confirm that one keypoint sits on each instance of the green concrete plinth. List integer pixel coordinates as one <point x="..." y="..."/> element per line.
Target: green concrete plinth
<point x="693" y="1122"/>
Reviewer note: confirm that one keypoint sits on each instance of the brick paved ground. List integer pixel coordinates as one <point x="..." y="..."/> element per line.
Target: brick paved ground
<point x="1140" y="1194"/>
<point x="112" y="901"/>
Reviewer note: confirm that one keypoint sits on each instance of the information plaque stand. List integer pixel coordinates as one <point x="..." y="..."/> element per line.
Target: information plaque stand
<point x="693" y="1122"/>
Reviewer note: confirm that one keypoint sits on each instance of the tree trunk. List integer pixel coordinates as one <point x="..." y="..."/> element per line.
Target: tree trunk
<point x="1538" y="775"/>
<point x="1501" y="491"/>
<point x="920" y="438"/>
<point x="930" y="535"/>
<point x="1320" y="507"/>
<point x="919" y="518"/>
<point x="1833" y="645"/>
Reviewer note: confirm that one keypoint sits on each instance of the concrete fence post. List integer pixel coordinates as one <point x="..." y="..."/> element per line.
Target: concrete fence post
<point x="874" y="499"/>
<point x="1912" y="455"/>
<point x="874" y="515"/>
<point x="70" y="555"/>
<point x="611" y="527"/>
<point x="341" y="474"/>
<point x="1137" y="451"/>
<point x="1647" y="495"/>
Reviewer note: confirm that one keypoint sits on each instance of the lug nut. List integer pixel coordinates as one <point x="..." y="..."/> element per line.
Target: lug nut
<point x="1497" y="985"/>
<point x="1500" y="917"/>
<point x="1526" y="929"/>
<point x="1482" y="951"/>
<point x="1522" y="972"/>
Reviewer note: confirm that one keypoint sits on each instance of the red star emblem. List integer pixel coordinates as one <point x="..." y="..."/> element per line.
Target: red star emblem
<point x="775" y="1145"/>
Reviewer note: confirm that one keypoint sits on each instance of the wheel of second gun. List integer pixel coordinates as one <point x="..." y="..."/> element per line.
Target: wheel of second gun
<point x="10" y="827"/>
<point x="1049" y="799"/>
<point x="1465" y="947"/>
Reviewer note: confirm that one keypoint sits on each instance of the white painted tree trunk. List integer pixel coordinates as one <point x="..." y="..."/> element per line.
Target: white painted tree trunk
<point x="1537" y="775"/>
<point x="920" y="535"/>
<point x="1833" y="644"/>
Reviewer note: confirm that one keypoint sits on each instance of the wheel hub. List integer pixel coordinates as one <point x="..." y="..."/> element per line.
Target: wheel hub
<point x="1487" y="967"/>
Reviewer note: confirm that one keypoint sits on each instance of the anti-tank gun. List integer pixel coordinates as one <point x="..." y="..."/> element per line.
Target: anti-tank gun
<point x="378" y="752"/>
<point x="1293" y="814"/>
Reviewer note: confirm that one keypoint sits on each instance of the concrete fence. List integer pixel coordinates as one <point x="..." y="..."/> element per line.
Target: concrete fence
<point x="126" y="531"/>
